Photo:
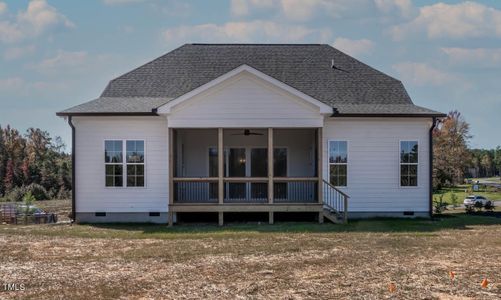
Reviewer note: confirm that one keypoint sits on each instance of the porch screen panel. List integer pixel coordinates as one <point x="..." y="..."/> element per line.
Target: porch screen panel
<point x="280" y="189"/>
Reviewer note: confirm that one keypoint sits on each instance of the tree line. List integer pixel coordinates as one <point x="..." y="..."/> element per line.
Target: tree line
<point x="453" y="160"/>
<point x="33" y="162"/>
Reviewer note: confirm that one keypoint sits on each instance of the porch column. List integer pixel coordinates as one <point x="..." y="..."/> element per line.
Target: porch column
<point x="270" y="165"/>
<point x="220" y="165"/>
<point x="320" y="174"/>
<point x="170" y="215"/>
<point x="319" y="166"/>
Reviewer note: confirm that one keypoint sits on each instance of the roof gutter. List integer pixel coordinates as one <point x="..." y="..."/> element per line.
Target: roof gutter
<point x="107" y="114"/>
<point x="73" y="181"/>
<point x="430" y="143"/>
<point x="384" y="115"/>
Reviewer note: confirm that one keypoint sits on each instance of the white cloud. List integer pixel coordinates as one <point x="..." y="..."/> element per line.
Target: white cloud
<point x="463" y="20"/>
<point x="3" y="7"/>
<point x="254" y="31"/>
<point x="301" y="10"/>
<point x="18" y="52"/>
<point x="38" y="18"/>
<point x="239" y="7"/>
<point x="10" y="32"/>
<point x="422" y="74"/>
<point x="118" y="2"/>
<point x="354" y="47"/>
<point x="403" y="7"/>
<point x="304" y="10"/>
<point x="63" y="60"/>
<point x="475" y="57"/>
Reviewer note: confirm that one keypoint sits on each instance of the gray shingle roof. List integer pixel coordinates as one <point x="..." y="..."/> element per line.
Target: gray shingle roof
<point x="307" y="68"/>
<point x="118" y="105"/>
<point x="369" y="109"/>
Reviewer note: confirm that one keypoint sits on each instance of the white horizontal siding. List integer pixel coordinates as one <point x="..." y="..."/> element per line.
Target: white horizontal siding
<point x="91" y="193"/>
<point x="374" y="162"/>
<point x="245" y="101"/>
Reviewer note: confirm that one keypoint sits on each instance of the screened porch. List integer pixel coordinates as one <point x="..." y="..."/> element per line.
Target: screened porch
<point x="245" y="166"/>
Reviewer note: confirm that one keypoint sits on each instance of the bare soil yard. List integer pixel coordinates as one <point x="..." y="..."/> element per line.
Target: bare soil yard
<point x="283" y="261"/>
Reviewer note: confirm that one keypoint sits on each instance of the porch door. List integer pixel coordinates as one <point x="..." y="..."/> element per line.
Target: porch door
<point x="258" y="168"/>
<point x="236" y="162"/>
<point x="246" y="162"/>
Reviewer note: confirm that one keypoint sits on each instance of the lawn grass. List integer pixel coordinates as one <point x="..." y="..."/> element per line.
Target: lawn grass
<point x="357" y="260"/>
<point x="250" y="261"/>
<point x="292" y="260"/>
<point x="449" y="220"/>
<point x="462" y="191"/>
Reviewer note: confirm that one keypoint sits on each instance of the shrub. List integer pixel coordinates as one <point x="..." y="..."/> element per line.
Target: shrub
<point x="63" y="194"/>
<point x="489" y="206"/>
<point x="15" y="195"/>
<point x="28" y="202"/>
<point x="478" y="205"/>
<point x="454" y="200"/>
<point x="438" y="205"/>
<point x="37" y="191"/>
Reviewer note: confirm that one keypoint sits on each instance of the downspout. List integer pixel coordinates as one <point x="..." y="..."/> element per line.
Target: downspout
<point x="73" y="185"/>
<point x="430" y="143"/>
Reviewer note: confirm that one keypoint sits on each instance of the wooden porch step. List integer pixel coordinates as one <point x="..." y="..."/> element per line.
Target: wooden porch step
<point x="333" y="216"/>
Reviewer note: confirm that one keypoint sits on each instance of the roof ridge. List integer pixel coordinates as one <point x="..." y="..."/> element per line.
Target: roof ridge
<point x="252" y="44"/>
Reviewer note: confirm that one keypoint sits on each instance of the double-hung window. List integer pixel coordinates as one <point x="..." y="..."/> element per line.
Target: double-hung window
<point x="135" y="163"/>
<point x="113" y="160"/>
<point x="124" y="159"/>
<point x="338" y="163"/>
<point x="408" y="163"/>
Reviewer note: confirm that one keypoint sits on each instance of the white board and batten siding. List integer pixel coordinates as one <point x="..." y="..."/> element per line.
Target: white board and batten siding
<point x="245" y="101"/>
<point x="91" y="194"/>
<point x="374" y="162"/>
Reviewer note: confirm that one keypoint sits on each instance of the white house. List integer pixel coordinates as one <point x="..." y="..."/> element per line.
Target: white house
<point x="226" y="128"/>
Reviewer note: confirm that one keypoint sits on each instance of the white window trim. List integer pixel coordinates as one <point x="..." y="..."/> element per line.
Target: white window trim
<point x="338" y="164"/>
<point x="124" y="163"/>
<point x="400" y="163"/>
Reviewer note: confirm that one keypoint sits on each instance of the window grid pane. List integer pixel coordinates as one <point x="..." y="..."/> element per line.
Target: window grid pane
<point x="135" y="163"/>
<point x="408" y="163"/>
<point x="338" y="161"/>
<point x="113" y="151"/>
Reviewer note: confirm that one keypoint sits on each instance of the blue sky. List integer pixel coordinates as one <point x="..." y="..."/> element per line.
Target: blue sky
<point x="56" y="54"/>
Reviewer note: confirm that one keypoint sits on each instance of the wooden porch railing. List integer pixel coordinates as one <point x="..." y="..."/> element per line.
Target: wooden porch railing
<point x="335" y="201"/>
<point x="245" y="190"/>
<point x="295" y="190"/>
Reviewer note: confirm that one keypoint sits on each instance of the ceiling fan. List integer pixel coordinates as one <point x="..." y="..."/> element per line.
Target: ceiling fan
<point x="247" y="132"/>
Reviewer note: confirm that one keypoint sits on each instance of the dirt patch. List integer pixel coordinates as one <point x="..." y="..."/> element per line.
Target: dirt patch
<point x="262" y="266"/>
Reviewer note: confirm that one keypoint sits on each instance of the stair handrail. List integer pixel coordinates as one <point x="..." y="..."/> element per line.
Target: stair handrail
<point x="336" y="206"/>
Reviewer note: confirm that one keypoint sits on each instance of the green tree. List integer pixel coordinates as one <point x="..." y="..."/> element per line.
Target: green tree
<point x="33" y="159"/>
<point x="487" y="164"/>
<point x="3" y="161"/>
<point x="451" y="154"/>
